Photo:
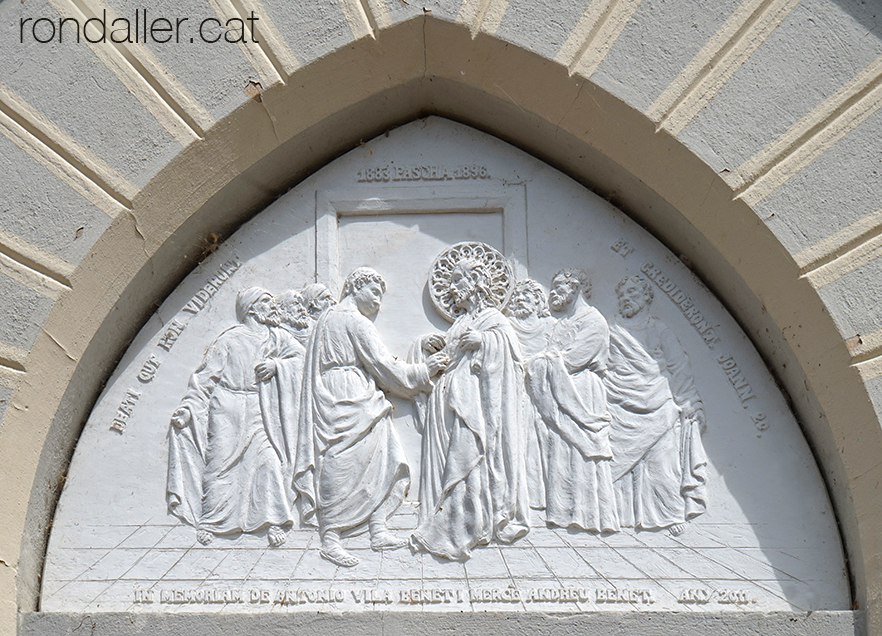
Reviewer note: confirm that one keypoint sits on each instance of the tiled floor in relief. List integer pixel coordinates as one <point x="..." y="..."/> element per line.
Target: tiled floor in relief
<point x="128" y="563"/>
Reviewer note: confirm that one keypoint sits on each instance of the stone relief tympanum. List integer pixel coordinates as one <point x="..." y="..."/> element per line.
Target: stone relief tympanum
<point x="438" y="374"/>
<point x="522" y="411"/>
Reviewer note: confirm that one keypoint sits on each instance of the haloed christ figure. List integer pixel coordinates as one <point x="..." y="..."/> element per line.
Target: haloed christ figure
<point x="474" y="485"/>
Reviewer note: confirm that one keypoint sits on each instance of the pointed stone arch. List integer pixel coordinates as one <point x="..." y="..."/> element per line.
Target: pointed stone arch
<point x="415" y="68"/>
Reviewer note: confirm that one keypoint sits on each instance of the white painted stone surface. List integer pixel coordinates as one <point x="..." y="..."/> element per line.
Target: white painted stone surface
<point x="115" y="547"/>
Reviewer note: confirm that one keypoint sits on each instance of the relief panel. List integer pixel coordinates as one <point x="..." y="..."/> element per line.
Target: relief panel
<point x="440" y="375"/>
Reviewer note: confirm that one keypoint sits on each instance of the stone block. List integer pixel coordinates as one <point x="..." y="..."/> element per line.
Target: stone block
<point x="80" y="95"/>
<point x="800" y="65"/>
<point x="40" y="208"/>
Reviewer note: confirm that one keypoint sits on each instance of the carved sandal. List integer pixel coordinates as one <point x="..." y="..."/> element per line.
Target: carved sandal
<point x="339" y="556"/>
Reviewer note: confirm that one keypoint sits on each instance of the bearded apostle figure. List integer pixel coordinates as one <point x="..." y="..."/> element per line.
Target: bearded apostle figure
<point x="474" y="484"/>
<point x="230" y="443"/>
<point x="527" y="311"/>
<point x="659" y="465"/>
<point x="566" y="383"/>
<point x="351" y="472"/>
<point x="316" y="297"/>
<point x="285" y="401"/>
<point x="293" y="315"/>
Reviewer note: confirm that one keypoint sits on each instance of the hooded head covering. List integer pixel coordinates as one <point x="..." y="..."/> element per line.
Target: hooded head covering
<point x="247" y="298"/>
<point x="313" y="291"/>
<point x="311" y="294"/>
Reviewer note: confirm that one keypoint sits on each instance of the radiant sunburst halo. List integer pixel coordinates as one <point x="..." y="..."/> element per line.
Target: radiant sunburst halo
<point x="498" y="269"/>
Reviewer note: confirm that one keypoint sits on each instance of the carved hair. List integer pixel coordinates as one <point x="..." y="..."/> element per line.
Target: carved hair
<point x="578" y="276"/>
<point x="476" y="270"/>
<point x="311" y="293"/>
<point x="533" y="289"/>
<point x="246" y="298"/>
<point x="292" y="308"/>
<point x="495" y="270"/>
<point x="359" y="278"/>
<point x="636" y="280"/>
<point x="289" y="298"/>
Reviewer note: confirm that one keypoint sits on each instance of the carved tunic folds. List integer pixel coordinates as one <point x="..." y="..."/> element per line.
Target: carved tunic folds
<point x="659" y="461"/>
<point x="225" y="473"/>
<point x="349" y="456"/>
<point x="533" y="335"/>
<point x="474" y="429"/>
<point x="568" y="391"/>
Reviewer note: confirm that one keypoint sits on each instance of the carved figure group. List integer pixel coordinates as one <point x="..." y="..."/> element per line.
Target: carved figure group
<point x="525" y="402"/>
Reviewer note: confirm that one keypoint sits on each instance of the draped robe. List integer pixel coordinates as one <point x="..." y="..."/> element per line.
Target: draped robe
<point x="474" y="483"/>
<point x="280" y="404"/>
<point x="533" y="333"/>
<point x="349" y="457"/>
<point x="568" y="391"/>
<point x="659" y="463"/>
<point x="229" y="469"/>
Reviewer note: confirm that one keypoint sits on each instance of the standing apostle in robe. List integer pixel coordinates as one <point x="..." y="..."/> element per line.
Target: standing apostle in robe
<point x="527" y="310"/>
<point x="316" y="298"/>
<point x="283" y="397"/>
<point x="659" y="467"/>
<point x="230" y="447"/>
<point x="351" y="471"/>
<point x="567" y="388"/>
<point x="474" y="488"/>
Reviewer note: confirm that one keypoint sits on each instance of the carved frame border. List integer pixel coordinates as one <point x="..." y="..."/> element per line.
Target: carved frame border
<point x="375" y="200"/>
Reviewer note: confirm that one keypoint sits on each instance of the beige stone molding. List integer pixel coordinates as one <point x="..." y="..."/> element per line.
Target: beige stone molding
<point x="482" y="15"/>
<point x="144" y="76"/>
<point x="365" y="17"/>
<point x="271" y="57"/>
<point x="600" y="24"/>
<point x="56" y="150"/>
<point x="811" y="136"/>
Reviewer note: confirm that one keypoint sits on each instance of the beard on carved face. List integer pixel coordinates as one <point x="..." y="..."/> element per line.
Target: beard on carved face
<point x="296" y="319"/>
<point x="629" y="308"/>
<point x="559" y="300"/>
<point x="523" y="307"/>
<point x="460" y="296"/>
<point x="268" y="316"/>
